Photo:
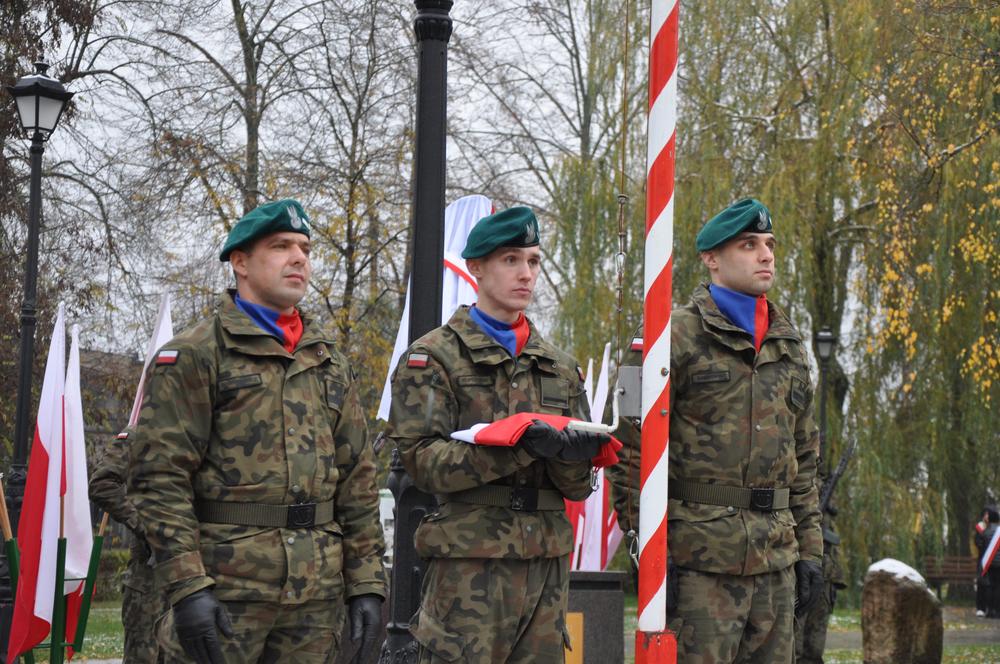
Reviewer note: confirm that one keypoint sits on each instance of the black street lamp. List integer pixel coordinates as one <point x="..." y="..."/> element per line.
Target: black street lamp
<point x="826" y="342"/>
<point x="432" y="27"/>
<point x="40" y="103"/>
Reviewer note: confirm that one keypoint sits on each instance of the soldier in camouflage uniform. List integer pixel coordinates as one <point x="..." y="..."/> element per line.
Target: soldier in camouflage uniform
<point x="745" y="544"/>
<point x="252" y="473"/>
<point x="498" y="545"/>
<point x="141" y="603"/>
<point x="810" y="629"/>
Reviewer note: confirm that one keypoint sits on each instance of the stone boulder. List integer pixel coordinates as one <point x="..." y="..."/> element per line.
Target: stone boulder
<point x="900" y="616"/>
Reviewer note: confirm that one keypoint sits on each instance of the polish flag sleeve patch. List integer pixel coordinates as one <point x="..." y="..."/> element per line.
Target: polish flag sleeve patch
<point x="166" y="357"/>
<point x="417" y="360"/>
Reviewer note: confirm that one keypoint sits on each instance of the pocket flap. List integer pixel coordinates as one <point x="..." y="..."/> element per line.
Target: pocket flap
<point x="432" y="634"/>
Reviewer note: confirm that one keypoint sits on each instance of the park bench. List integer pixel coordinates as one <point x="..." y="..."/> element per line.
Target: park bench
<point x="939" y="570"/>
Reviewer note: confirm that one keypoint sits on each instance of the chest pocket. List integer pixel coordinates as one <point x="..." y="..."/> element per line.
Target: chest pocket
<point x="474" y="381"/>
<point x="554" y="393"/>
<point x="237" y="392"/>
<point x="239" y="382"/>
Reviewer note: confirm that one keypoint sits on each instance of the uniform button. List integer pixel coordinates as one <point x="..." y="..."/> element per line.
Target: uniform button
<point x="288" y="594"/>
<point x="319" y="353"/>
<point x="296" y="488"/>
<point x="757" y="427"/>
<point x="528" y="528"/>
<point x="523" y="481"/>
<point x="291" y="430"/>
<point x="514" y="385"/>
<point x="730" y="509"/>
<point x="291" y="540"/>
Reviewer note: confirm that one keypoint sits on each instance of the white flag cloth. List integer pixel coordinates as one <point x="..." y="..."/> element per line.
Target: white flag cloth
<point x="458" y="287"/>
<point x="163" y="332"/>
<point x="597" y="534"/>
<point x="77" y="529"/>
<point x="38" y="528"/>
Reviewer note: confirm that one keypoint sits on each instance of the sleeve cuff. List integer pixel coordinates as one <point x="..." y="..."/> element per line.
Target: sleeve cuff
<point x="365" y="588"/>
<point x="182" y="575"/>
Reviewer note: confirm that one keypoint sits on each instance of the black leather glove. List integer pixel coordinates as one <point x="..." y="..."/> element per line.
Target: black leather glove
<point x="582" y="445"/>
<point x="808" y="585"/>
<point x="673" y="590"/>
<point x="542" y="441"/>
<point x="196" y="618"/>
<point x="365" y="614"/>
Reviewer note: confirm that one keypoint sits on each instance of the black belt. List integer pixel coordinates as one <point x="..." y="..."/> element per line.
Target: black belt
<point x="264" y="515"/>
<point x="722" y="495"/>
<point x="521" y="499"/>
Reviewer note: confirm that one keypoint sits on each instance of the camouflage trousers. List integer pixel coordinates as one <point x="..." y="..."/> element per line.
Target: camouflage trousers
<point x="266" y="633"/>
<point x="139" y="614"/>
<point x="492" y="611"/>
<point x="810" y="630"/>
<point x="726" y="619"/>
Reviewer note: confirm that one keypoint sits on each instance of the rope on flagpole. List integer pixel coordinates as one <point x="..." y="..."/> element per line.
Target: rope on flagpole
<point x="653" y="643"/>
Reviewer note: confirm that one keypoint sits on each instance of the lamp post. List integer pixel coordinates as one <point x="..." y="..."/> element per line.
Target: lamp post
<point x="826" y="342"/>
<point x="432" y="27"/>
<point x="40" y="102"/>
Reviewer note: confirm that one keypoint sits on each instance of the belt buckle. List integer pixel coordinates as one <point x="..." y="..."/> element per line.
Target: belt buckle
<point x="762" y="500"/>
<point x="524" y="499"/>
<point x="302" y="515"/>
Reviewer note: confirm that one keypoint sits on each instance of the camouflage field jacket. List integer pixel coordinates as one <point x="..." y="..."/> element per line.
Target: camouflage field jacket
<point x="107" y="490"/>
<point x="740" y="418"/>
<point x="462" y="377"/>
<point x="238" y="418"/>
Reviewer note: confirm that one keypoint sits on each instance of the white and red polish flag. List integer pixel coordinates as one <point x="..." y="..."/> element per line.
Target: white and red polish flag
<point x="38" y="529"/>
<point x="508" y="431"/>
<point x="991" y="552"/>
<point x="458" y="287"/>
<point x="77" y="529"/>
<point x="162" y="333"/>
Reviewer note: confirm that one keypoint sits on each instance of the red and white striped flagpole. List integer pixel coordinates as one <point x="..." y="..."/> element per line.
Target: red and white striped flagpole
<point x="654" y="643"/>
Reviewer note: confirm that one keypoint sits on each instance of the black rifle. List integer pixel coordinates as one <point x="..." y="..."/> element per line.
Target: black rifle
<point x="826" y="492"/>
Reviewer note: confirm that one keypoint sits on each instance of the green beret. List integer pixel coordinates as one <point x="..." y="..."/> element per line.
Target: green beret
<point x="513" y="227"/>
<point x="278" y="216"/>
<point x="746" y="215"/>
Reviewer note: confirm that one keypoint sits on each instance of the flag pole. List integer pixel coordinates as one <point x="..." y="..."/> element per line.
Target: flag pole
<point x="57" y="645"/>
<point x="8" y="534"/>
<point x="655" y="643"/>
<point x="88" y="588"/>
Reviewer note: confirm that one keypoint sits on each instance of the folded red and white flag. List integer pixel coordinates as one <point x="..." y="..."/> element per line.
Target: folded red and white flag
<point x="508" y="431"/>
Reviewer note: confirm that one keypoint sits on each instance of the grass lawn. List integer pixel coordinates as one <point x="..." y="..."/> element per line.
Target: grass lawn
<point x="105" y="637"/>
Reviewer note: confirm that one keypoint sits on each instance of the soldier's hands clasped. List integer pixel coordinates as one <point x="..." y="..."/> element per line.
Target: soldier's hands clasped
<point x="365" y="614"/>
<point x="543" y="441"/>
<point x="582" y="445"/>
<point x="808" y="585"/>
<point x="199" y="618"/>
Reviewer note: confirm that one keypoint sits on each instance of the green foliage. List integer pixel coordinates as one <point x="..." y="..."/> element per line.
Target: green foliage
<point x="110" y="571"/>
